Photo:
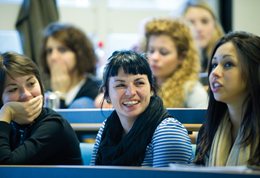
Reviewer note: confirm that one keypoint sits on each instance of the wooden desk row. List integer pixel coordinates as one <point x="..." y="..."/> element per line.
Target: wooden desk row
<point x="91" y="119"/>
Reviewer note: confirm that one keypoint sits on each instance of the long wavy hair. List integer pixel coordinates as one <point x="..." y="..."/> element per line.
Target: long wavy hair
<point x="248" y="49"/>
<point x="172" y="90"/>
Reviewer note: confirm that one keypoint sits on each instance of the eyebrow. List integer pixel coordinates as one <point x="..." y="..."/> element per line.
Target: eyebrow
<point x="13" y="84"/>
<point x="30" y="78"/>
<point x="224" y="56"/>
<point x="10" y="84"/>
<point x="119" y="80"/>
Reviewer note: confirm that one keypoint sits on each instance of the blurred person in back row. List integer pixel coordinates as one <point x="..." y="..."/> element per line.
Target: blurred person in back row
<point x="139" y="132"/>
<point x="29" y="133"/>
<point x="174" y="61"/>
<point x="207" y="29"/>
<point x="69" y="59"/>
<point x="231" y="133"/>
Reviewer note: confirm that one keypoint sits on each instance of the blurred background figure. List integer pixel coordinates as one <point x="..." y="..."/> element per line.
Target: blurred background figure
<point x="207" y="29"/>
<point x="174" y="61"/>
<point x="69" y="59"/>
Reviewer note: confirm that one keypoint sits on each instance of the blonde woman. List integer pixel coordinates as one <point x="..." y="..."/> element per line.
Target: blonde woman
<point x="206" y="26"/>
<point x="175" y="64"/>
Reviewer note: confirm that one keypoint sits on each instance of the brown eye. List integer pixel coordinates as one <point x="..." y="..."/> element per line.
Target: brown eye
<point x="204" y="21"/>
<point x="228" y="65"/>
<point x="150" y="51"/>
<point x="11" y="90"/>
<point x="164" y="52"/>
<point x="63" y="49"/>
<point x="48" y="50"/>
<point x="214" y="65"/>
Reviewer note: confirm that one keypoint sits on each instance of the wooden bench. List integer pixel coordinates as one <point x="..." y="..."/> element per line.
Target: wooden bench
<point x="91" y="119"/>
<point x="86" y="122"/>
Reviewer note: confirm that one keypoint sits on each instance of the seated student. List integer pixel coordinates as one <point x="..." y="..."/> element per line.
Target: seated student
<point x="207" y="28"/>
<point x="29" y="133"/>
<point x="174" y="61"/>
<point x="230" y="136"/>
<point x="175" y="64"/>
<point x="69" y="60"/>
<point x="139" y="132"/>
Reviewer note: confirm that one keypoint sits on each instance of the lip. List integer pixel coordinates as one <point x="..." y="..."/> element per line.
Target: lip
<point x="131" y="103"/>
<point x="155" y="67"/>
<point x="215" y="86"/>
<point x="131" y="108"/>
<point x="201" y="37"/>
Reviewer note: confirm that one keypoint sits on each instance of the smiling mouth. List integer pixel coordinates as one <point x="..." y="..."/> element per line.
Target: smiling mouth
<point x="130" y="103"/>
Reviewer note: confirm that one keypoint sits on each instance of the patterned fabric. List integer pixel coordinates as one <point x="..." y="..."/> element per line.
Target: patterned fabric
<point x="118" y="148"/>
<point x="170" y="144"/>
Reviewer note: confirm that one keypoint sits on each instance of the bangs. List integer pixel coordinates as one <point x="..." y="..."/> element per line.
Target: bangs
<point x="129" y="66"/>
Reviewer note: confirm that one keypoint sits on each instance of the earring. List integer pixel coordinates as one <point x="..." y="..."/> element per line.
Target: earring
<point x="108" y="101"/>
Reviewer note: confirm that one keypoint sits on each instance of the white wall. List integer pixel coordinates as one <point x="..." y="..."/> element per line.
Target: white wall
<point x="246" y="15"/>
<point x="117" y="28"/>
<point x="8" y="14"/>
<point x="100" y="22"/>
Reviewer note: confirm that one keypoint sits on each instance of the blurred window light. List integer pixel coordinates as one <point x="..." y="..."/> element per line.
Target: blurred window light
<point x="147" y="4"/>
<point x="10" y="41"/>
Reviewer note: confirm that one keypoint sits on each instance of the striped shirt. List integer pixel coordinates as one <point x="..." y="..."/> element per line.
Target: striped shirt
<point x="170" y="144"/>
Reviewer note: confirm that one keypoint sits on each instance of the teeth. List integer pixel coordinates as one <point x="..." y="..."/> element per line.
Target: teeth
<point x="129" y="103"/>
<point x="216" y="85"/>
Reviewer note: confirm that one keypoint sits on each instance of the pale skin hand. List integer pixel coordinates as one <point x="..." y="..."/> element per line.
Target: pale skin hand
<point x="60" y="78"/>
<point x="22" y="112"/>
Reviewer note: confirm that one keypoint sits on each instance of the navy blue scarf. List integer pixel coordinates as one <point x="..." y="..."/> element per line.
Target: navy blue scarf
<point x="129" y="150"/>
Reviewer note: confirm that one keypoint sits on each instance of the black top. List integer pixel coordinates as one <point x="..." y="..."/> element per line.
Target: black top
<point x="50" y="140"/>
<point x="89" y="89"/>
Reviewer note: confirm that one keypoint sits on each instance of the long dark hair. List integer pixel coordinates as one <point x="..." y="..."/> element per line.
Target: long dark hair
<point x="247" y="47"/>
<point x="130" y="149"/>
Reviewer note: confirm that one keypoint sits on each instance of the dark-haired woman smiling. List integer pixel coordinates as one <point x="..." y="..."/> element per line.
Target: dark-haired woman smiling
<point x="139" y="132"/>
